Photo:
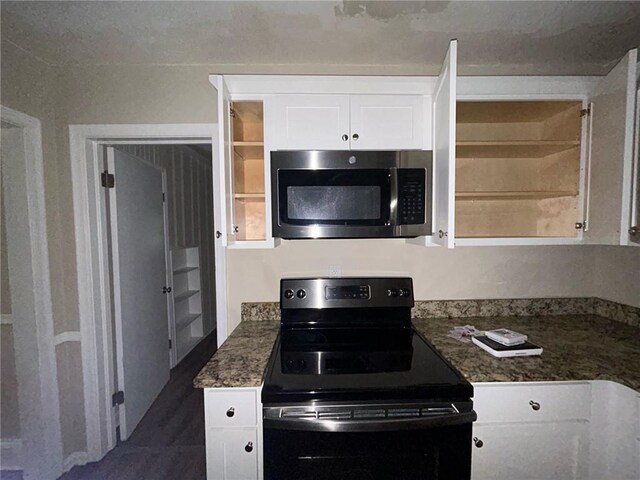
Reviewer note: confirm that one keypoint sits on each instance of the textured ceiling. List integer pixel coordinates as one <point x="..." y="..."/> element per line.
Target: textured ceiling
<point x="329" y="37"/>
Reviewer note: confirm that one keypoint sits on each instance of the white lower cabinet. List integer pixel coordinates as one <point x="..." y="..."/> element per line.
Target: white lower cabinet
<point x="556" y="430"/>
<point x="233" y="435"/>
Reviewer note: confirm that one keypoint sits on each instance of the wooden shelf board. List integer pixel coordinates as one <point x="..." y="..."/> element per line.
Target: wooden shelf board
<point x="187" y="269"/>
<point x="186" y="320"/>
<point x="249" y="195"/>
<point x="514" y="149"/>
<point x="184" y="295"/>
<point x="248" y="144"/>
<point x="533" y="195"/>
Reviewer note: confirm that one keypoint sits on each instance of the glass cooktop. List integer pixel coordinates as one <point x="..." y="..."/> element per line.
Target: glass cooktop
<point x="343" y="364"/>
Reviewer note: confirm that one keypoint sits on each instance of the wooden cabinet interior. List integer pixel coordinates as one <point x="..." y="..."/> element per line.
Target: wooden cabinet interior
<point x="517" y="168"/>
<point x="248" y="170"/>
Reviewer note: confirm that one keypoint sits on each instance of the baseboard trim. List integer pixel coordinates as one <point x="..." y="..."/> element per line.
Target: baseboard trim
<point x="75" y="459"/>
<point x="11" y="455"/>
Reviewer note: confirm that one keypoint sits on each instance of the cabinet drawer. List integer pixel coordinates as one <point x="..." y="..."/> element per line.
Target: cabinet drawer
<point x="532" y="402"/>
<point x="227" y="408"/>
<point x="232" y="454"/>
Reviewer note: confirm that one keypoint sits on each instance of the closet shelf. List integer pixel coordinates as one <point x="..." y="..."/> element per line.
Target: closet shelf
<point x="528" y="195"/>
<point x="512" y="149"/>
<point x="180" y="270"/>
<point x="186" y="320"/>
<point x="184" y="295"/>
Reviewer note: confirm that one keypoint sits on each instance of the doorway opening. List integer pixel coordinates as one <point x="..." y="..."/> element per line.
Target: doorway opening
<point x="158" y="212"/>
<point x="105" y="384"/>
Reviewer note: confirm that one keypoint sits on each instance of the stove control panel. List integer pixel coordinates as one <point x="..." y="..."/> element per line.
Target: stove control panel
<point x="319" y="293"/>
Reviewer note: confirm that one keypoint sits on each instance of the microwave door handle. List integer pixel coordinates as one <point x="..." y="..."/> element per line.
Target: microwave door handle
<point x="394" y="200"/>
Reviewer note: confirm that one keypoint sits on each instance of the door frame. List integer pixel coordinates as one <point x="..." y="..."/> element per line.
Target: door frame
<point x="40" y="446"/>
<point x="91" y="256"/>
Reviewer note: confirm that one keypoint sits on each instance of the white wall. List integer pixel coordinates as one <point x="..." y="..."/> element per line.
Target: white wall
<point x="616" y="274"/>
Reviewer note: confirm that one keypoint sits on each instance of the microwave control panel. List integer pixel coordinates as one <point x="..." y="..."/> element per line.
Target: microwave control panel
<point x="411" y="195"/>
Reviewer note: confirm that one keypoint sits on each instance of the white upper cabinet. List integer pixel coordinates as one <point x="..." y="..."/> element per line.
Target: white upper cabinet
<point x="356" y="122"/>
<point x="382" y="122"/>
<point x="444" y="150"/>
<point x="312" y="122"/>
<point x="611" y="162"/>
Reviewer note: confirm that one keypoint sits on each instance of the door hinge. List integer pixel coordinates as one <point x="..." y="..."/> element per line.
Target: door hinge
<point x="108" y="179"/>
<point x="581" y="225"/>
<point x="634" y="231"/>
<point x="585" y="111"/>
<point x="164" y="197"/>
<point x="170" y="343"/>
<point x="117" y="398"/>
<point x="232" y="112"/>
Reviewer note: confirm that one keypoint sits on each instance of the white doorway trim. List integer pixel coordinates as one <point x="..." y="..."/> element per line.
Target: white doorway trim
<point x="32" y="312"/>
<point x="91" y="256"/>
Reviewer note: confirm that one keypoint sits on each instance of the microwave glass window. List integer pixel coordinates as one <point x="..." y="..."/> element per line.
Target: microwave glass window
<point x="334" y="202"/>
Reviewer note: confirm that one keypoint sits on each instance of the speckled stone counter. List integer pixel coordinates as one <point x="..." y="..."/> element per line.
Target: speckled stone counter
<point x="576" y="347"/>
<point x="242" y="359"/>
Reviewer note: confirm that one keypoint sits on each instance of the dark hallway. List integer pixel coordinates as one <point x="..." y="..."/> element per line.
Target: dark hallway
<point x="169" y="441"/>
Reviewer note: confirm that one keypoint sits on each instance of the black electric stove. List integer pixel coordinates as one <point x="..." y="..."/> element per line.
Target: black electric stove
<point x="351" y="386"/>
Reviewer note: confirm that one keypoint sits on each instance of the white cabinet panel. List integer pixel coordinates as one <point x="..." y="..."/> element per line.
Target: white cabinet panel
<point x="444" y="149"/>
<point x="228" y="408"/>
<point x="532" y="403"/>
<point x="389" y="122"/>
<point x="529" y="451"/>
<point x="312" y="122"/>
<point x="612" y="155"/>
<point x="223" y="160"/>
<point x="232" y="454"/>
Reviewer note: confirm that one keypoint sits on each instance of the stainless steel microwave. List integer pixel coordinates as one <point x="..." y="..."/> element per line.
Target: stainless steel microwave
<point x="351" y="194"/>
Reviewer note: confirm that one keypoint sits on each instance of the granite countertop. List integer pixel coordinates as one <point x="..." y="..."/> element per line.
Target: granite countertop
<point x="576" y="347"/>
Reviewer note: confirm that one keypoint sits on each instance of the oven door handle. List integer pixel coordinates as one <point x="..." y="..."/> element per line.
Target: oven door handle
<point x="357" y="425"/>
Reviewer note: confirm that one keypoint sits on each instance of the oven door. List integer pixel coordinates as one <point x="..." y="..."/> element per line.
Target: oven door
<point x="326" y="446"/>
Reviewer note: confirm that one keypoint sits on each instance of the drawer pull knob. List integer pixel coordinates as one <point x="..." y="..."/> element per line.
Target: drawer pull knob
<point x="231" y="412"/>
<point x="534" y="405"/>
<point x="477" y="442"/>
<point x="345" y="138"/>
<point x="248" y="447"/>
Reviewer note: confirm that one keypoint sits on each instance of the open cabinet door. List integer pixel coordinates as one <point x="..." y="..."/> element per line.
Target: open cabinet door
<point x="444" y="149"/>
<point x="224" y="160"/>
<point x="634" y="231"/>
<point x="612" y="155"/>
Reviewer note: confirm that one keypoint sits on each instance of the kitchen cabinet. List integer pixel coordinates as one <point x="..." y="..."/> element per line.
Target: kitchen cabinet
<point x="233" y="433"/>
<point x="545" y="164"/>
<point x="356" y="122"/>
<point x="560" y="430"/>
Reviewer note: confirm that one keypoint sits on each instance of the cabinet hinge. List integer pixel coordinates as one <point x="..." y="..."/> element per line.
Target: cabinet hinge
<point x="581" y="225"/>
<point x="170" y="347"/>
<point x="634" y="231"/>
<point x="164" y="197"/>
<point x="117" y="398"/>
<point x="108" y="179"/>
<point x="585" y="112"/>
<point x="232" y="112"/>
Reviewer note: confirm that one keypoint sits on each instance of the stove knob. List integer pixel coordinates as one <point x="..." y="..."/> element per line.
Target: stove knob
<point x="301" y="293"/>
<point x="288" y="293"/>
<point x="405" y="292"/>
<point x="392" y="292"/>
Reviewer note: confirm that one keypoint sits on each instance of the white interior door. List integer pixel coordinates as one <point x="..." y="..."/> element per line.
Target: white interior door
<point x="612" y="155"/>
<point x="444" y="149"/>
<point x="223" y="162"/>
<point x="139" y="275"/>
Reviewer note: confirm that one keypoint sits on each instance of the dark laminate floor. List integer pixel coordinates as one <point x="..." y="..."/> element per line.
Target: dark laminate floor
<point x="169" y="441"/>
